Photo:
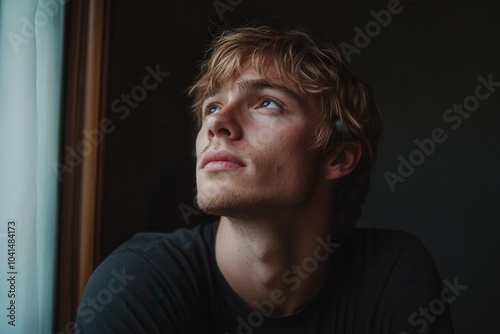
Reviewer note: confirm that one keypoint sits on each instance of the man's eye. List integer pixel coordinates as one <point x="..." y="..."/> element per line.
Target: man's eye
<point x="266" y="103"/>
<point x="212" y="110"/>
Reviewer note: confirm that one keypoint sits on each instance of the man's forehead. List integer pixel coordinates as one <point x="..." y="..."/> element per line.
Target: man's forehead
<point x="269" y="76"/>
<point x="250" y="79"/>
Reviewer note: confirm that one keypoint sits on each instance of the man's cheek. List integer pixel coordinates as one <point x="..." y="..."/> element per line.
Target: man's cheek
<point x="266" y="138"/>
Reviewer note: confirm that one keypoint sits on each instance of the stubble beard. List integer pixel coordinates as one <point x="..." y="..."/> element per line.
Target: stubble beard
<point x="225" y="204"/>
<point x="242" y="206"/>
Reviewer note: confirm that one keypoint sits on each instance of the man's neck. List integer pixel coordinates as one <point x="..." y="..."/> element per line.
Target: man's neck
<point x="259" y="257"/>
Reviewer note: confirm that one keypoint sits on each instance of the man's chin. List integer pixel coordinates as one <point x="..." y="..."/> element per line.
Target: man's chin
<point x="215" y="206"/>
<point x="229" y="206"/>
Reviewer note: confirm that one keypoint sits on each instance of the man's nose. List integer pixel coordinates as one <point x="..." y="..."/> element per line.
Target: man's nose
<point x="224" y="123"/>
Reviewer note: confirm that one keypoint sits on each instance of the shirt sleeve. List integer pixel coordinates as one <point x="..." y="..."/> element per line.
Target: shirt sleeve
<point x="151" y="288"/>
<point x="414" y="298"/>
<point x="121" y="298"/>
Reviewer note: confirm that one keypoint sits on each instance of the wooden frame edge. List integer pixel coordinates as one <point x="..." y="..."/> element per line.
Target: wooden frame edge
<point x="84" y="105"/>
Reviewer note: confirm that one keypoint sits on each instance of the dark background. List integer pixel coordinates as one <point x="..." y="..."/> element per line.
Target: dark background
<point x="428" y="58"/>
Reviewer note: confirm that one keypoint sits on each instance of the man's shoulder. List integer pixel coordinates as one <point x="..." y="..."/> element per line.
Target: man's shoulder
<point x="183" y="252"/>
<point x="152" y="280"/>
<point x="380" y="258"/>
<point x="176" y="255"/>
<point x="193" y="240"/>
<point x="391" y="273"/>
<point x="378" y="240"/>
<point x="388" y="248"/>
<point x="395" y="237"/>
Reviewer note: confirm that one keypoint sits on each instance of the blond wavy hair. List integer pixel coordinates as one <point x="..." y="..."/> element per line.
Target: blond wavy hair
<point x="318" y="70"/>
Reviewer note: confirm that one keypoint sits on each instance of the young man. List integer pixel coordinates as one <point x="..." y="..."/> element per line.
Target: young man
<point x="288" y="136"/>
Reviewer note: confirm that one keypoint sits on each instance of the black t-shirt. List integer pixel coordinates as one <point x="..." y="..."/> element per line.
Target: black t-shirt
<point x="380" y="282"/>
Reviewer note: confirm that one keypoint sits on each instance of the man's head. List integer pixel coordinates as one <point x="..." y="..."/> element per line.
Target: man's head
<point x="265" y="90"/>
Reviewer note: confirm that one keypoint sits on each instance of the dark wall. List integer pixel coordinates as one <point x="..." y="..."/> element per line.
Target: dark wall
<point x="426" y="59"/>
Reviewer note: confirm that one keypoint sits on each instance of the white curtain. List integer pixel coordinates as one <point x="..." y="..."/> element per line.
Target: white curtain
<point x="31" y="36"/>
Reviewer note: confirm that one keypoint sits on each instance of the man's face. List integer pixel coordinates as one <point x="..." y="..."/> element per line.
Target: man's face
<point x="254" y="153"/>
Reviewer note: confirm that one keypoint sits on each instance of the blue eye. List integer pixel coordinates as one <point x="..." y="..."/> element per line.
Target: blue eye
<point x="212" y="110"/>
<point x="269" y="104"/>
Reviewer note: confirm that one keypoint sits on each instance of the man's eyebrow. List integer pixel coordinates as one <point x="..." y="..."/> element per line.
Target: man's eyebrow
<point x="258" y="84"/>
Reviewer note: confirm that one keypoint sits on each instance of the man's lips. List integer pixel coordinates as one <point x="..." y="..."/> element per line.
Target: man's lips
<point x="220" y="160"/>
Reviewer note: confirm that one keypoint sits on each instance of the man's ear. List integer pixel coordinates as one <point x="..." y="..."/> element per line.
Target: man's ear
<point x="342" y="159"/>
